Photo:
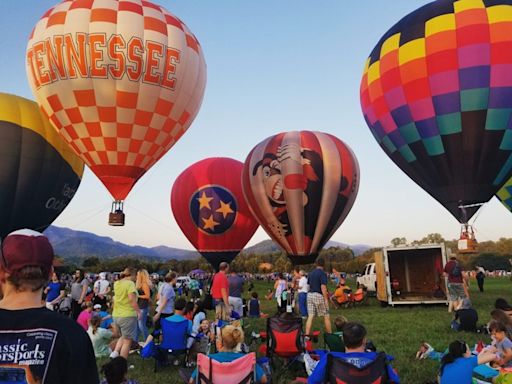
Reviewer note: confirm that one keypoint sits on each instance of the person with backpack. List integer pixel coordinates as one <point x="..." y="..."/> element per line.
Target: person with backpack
<point x="453" y="270"/>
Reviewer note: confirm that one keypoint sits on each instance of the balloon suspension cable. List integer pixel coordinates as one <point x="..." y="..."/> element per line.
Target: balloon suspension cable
<point x="95" y="212"/>
<point x="150" y="218"/>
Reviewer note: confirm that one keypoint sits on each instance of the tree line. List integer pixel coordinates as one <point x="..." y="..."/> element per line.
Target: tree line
<point x="493" y="255"/>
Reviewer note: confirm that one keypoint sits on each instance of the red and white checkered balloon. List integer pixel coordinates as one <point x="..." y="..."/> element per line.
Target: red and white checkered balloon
<point x="121" y="80"/>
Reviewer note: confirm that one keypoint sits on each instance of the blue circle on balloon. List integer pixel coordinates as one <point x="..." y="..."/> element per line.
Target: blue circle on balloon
<point x="213" y="209"/>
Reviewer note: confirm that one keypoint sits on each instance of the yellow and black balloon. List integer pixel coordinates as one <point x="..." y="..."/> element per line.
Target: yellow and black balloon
<point x="39" y="173"/>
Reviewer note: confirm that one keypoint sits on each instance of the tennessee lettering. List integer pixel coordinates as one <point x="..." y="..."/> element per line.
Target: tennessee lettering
<point x="94" y="55"/>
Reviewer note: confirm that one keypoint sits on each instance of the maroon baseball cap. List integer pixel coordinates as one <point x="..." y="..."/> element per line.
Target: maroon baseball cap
<point x="24" y="248"/>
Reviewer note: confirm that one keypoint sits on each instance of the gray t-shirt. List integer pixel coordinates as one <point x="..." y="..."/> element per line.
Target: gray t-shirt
<point x="170" y="295"/>
<point x="76" y="288"/>
<point x="501" y="346"/>
<point x="236" y="284"/>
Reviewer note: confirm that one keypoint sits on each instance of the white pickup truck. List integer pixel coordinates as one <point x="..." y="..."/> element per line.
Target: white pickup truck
<point x="368" y="278"/>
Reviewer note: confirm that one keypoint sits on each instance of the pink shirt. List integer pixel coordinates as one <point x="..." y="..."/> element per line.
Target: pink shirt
<point x="83" y="319"/>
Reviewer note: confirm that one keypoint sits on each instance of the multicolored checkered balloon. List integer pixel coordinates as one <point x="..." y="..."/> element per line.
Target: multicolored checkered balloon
<point x="437" y="95"/>
<point x="121" y="80"/>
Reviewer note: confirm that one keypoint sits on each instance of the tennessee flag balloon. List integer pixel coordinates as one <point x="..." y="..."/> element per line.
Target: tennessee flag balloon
<point x="300" y="186"/>
<point x="209" y="207"/>
<point x="121" y="80"/>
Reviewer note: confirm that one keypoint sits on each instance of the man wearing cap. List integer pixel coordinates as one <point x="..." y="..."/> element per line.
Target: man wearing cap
<point x="44" y="346"/>
<point x="101" y="289"/>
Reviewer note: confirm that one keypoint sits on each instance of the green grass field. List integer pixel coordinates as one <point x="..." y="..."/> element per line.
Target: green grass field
<point x="397" y="331"/>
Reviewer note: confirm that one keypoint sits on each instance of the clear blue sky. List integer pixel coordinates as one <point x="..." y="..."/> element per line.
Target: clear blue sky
<point x="273" y="66"/>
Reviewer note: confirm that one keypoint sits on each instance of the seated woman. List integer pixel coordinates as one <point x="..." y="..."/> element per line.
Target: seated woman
<point x="458" y="364"/>
<point x="341" y="294"/>
<point x="465" y="316"/>
<point x="231" y="337"/>
<point x="201" y="340"/>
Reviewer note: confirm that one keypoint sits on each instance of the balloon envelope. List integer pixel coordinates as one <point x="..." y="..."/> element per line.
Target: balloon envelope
<point x="208" y="205"/>
<point x="120" y="80"/>
<point x="39" y="174"/>
<point x="300" y="187"/>
<point x="437" y="95"/>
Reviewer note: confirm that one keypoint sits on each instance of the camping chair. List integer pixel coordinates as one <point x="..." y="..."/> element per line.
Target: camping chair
<point x="239" y="371"/>
<point x="285" y="338"/>
<point x="334" y="342"/>
<point x="174" y="342"/>
<point x="340" y="371"/>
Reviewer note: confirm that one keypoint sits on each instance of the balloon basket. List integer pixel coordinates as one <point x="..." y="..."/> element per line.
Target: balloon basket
<point x="116" y="216"/>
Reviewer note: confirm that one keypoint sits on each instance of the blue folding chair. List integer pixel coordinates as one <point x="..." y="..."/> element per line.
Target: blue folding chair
<point x="174" y="342"/>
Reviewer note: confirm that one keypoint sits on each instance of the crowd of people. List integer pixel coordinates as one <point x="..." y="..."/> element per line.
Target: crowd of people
<point x="44" y="316"/>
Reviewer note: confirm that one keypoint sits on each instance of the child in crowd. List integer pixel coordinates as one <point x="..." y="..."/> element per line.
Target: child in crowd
<point x="202" y="340"/>
<point x="339" y="323"/>
<point x="100" y="337"/>
<point x="115" y="372"/>
<point x="503" y="344"/>
<point x="254" y="306"/>
<point x="85" y="316"/>
<point x="188" y="312"/>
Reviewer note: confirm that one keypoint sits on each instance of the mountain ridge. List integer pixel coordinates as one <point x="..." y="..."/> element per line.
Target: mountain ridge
<point x="71" y="244"/>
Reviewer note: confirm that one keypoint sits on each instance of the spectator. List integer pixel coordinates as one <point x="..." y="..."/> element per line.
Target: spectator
<point x="100" y="337"/>
<point x="339" y="323"/>
<point x="126" y="312"/>
<point x="280" y="286"/>
<point x="254" y="306"/>
<point x="167" y="297"/>
<point x="303" y="294"/>
<point x="194" y="289"/>
<point x="502" y="304"/>
<point x="199" y="316"/>
<point x="457" y="365"/>
<point x="318" y="297"/>
<point x="115" y="372"/>
<point x="456" y="290"/>
<point x="78" y="293"/>
<point x="480" y="276"/>
<point x="236" y="287"/>
<point x="503" y="344"/>
<point x="188" y="312"/>
<point x="354" y="338"/>
<point x="106" y="318"/>
<point x="85" y="316"/>
<point x="101" y="289"/>
<point x="64" y="351"/>
<point x="231" y="337"/>
<point x="55" y="292"/>
<point x="220" y="292"/>
<point x="501" y="317"/>
<point x="467" y="317"/>
<point x="143" y="285"/>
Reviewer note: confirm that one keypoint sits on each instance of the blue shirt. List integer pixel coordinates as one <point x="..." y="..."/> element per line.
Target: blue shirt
<point x="358" y="359"/>
<point x="54" y="291"/>
<point x="105" y="323"/>
<point x="316" y="279"/>
<point x="178" y="319"/>
<point x="236" y="284"/>
<point x="460" y="371"/>
<point x="254" y="308"/>
<point x="226" y="357"/>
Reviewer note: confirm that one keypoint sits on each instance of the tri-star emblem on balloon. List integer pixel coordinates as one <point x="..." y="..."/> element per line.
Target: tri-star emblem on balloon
<point x="213" y="209"/>
<point x="209" y="207"/>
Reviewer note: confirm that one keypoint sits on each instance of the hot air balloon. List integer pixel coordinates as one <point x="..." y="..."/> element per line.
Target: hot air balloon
<point x="505" y="195"/>
<point x="300" y="186"/>
<point x="437" y="95"/>
<point x="120" y="80"/>
<point x="208" y="205"/>
<point x="39" y="174"/>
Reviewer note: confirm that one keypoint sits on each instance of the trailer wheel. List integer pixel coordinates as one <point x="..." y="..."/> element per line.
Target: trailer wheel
<point x="383" y="304"/>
